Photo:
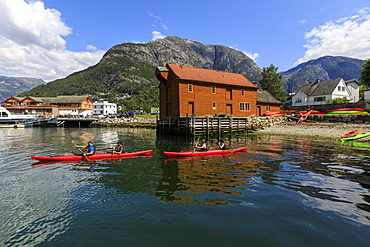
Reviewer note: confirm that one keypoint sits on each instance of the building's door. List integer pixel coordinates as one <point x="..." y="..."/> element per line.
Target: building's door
<point x="229" y="109"/>
<point x="259" y="111"/>
<point x="191" y="108"/>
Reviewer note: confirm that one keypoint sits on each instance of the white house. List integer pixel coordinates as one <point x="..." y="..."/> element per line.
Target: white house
<point x="104" y="108"/>
<point x="319" y="92"/>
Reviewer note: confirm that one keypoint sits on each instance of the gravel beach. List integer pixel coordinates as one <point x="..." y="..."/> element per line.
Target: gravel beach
<point x="324" y="130"/>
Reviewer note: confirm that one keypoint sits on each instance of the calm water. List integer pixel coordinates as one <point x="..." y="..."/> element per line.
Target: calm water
<point x="283" y="191"/>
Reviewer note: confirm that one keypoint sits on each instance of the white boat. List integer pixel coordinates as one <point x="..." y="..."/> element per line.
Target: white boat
<point x="6" y="117"/>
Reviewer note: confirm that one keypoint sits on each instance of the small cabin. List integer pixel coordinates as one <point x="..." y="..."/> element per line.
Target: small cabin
<point x="267" y="103"/>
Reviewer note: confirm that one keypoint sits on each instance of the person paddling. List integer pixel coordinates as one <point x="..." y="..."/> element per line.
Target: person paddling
<point x="221" y="144"/>
<point x="89" y="149"/>
<point x="120" y="149"/>
<point x="202" y="146"/>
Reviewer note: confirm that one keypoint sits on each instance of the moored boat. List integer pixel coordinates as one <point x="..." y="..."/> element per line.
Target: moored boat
<point x="208" y="152"/>
<point x="6" y="117"/>
<point x="96" y="156"/>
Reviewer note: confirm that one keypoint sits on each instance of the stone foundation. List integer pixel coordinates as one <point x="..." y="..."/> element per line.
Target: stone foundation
<point x="350" y="119"/>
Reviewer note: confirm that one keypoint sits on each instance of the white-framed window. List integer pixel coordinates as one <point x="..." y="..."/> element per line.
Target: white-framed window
<point x="243" y="106"/>
<point x="213" y="90"/>
<point x="214" y="105"/>
<point x="319" y="99"/>
<point x="190" y="87"/>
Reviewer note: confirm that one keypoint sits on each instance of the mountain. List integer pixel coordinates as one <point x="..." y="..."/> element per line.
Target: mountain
<point x="129" y="68"/>
<point x="323" y="68"/>
<point x="11" y="86"/>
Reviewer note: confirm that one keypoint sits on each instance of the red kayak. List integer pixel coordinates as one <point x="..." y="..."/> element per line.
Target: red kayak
<point x="273" y="114"/>
<point x="304" y="117"/>
<point x="209" y="152"/>
<point x="97" y="156"/>
<point x="352" y="133"/>
<point x="347" y="109"/>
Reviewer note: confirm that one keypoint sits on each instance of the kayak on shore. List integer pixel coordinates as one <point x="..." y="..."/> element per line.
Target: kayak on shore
<point x="355" y="137"/>
<point x="352" y="133"/>
<point x="304" y="117"/>
<point x="208" y="152"/>
<point x="96" y="156"/>
<point x="345" y="112"/>
<point x="346" y="109"/>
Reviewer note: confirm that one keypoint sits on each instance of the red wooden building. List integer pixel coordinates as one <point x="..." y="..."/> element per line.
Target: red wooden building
<point x="185" y="91"/>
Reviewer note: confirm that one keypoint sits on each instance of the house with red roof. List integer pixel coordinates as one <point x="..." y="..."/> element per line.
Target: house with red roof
<point x="186" y="91"/>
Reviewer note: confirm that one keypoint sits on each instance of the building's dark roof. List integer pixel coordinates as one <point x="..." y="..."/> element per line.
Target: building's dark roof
<point x="69" y="99"/>
<point x="207" y="75"/>
<point x="37" y="99"/>
<point x="265" y="97"/>
<point x="47" y="100"/>
<point x="353" y="80"/>
<point x="320" y="88"/>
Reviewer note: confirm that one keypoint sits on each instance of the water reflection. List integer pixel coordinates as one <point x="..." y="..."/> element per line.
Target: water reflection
<point x="279" y="161"/>
<point x="186" y="178"/>
<point x="278" y="178"/>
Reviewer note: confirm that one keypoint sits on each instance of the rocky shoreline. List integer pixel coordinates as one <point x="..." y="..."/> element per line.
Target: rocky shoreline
<point x="320" y="130"/>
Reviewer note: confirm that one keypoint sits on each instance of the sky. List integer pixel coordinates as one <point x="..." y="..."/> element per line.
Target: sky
<point x="50" y="39"/>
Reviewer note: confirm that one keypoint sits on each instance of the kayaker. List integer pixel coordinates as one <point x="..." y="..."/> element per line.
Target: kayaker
<point x="120" y="148"/>
<point x="202" y="146"/>
<point x="221" y="144"/>
<point x="89" y="149"/>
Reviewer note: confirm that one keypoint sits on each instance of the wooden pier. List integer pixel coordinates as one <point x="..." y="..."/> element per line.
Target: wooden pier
<point x="71" y="122"/>
<point x="207" y="125"/>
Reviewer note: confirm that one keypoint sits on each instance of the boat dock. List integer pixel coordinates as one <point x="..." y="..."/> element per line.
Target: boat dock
<point x="71" y="121"/>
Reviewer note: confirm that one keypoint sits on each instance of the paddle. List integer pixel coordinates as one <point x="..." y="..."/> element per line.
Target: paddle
<point x="82" y="152"/>
<point x="196" y="144"/>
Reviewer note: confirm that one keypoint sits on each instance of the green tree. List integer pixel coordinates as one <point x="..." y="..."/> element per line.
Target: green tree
<point x="337" y="101"/>
<point x="272" y="82"/>
<point x="365" y="73"/>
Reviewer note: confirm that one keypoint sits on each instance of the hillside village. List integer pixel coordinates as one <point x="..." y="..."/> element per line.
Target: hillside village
<point x="209" y="84"/>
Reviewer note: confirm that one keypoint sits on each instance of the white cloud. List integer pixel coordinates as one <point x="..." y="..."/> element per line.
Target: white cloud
<point x="349" y="36"/>
<point x="157" y="35"/>
<point x="32" y="44"/>
<point x="251" y="55"/>
<point x="91" y="48"/>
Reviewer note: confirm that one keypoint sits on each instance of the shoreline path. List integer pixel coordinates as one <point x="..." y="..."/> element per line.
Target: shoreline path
<point x="324" y="130"/>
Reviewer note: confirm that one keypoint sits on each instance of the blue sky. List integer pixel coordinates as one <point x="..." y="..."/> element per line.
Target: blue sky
<point x="50" y="39"/>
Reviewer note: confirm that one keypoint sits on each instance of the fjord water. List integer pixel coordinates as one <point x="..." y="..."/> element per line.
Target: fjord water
<point x="284" y="191"/>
